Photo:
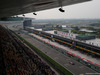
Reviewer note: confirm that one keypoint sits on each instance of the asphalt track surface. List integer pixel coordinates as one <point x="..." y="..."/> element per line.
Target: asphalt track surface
<point x="77" y="69"/>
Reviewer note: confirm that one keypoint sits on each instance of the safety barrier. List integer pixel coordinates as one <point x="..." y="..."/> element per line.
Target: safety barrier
<point x="89" y="50"/>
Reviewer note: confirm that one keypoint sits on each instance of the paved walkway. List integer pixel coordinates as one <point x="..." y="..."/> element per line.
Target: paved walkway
<point x="76" y="69"/>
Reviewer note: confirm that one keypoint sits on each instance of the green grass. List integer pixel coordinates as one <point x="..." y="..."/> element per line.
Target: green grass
<point x="54" y="64"/>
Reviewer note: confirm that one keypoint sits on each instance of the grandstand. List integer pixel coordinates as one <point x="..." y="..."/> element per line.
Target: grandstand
<point x="17" y="59"/>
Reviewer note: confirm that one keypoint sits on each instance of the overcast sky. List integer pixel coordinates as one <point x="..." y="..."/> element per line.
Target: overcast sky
<point x="86" y="10"/>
